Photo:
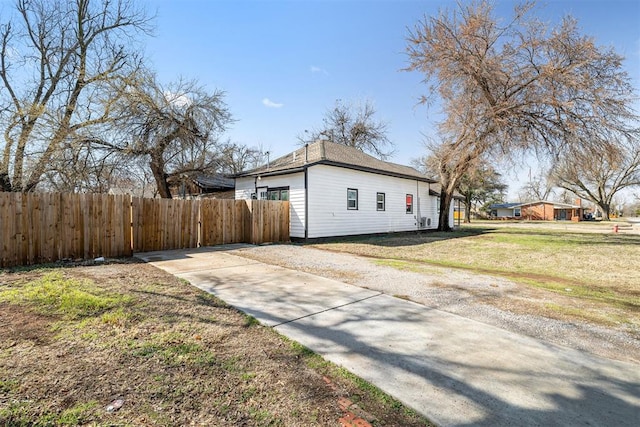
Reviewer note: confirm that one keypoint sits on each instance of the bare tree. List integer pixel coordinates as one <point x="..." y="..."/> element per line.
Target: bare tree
<point x="513" y="86"/>
<point x="478" y="185"/>
<point x="81" y="168"/>
<point x="236" y="158"/>
<point x="174" y="128"/>
<point x="597" y="173"/>
<point x="539" y="187"/>
<point x="57" y="59"/>
<point x="355" y="125"/>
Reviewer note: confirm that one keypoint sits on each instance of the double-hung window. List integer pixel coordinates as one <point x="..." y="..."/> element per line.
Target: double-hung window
<point x="352" y="199"/>
<point x="380" y="201"/>
<point x="409" y="203"/>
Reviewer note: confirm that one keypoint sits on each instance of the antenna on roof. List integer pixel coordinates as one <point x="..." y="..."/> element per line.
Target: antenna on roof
<point x="267" y="153"/>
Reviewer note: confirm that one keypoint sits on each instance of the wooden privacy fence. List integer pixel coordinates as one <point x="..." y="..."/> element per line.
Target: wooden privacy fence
<point x="45" y="227"/>
<point x="162" y="224"/>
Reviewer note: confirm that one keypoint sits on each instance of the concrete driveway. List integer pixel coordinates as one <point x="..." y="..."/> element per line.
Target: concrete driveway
<point x="455" y="371"/>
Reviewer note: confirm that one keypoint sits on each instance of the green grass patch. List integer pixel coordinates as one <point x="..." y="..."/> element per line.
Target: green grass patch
<point x="585" y="292"/>
<point x="70" y="298"/>
<point x="250" y="321"/>
<point x="173" y="349"/>
<point x="408" y="266"/>
<point x="7" y="386"/>
<point x="586" y="315"/>
<point x="19" y="414"/>
<point x="118" y="317"/>
<point x="264" y="418"/>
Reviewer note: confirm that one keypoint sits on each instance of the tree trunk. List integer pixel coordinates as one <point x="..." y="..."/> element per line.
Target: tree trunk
<point x="5" y="182"/>
<point x="606" y="210"/>
<point x="467" y="213"/>
<point x="445" y="206"/>
<point x="157" y="168"/>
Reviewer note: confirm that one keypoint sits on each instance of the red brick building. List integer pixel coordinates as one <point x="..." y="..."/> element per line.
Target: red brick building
<point x="539" y="210"/>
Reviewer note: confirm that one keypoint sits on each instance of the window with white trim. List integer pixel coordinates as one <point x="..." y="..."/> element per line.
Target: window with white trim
<point x="380" y="201"/>
<point x="352" y="199"/>
<point x="409" y="203"/>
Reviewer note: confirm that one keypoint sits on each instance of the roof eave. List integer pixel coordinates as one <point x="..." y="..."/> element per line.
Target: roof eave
<point x="272" y="172"/>
<point x="375" y="171"/>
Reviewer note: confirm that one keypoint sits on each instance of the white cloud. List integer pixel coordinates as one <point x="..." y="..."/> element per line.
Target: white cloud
<point x="177" y="99"/>
<point x="270" y="104"/>
<point x="315" y="69"/>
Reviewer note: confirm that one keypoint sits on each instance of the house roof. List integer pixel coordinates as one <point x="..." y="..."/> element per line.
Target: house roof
<point x="435" y="189"/>
<point x="504" y="205"/>
<point x="214" y="182"/>
<point x="556" y="205"/>
<point x="330" y="153"/>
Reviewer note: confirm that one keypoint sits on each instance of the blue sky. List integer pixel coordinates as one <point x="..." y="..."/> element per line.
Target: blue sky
<point x="282" y="64"/>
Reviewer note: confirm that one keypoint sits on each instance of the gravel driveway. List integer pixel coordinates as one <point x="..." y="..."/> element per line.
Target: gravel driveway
<point x="479" y="297"/>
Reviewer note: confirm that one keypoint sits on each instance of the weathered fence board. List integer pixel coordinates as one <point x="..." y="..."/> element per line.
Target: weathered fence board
<point x="270" y="220"/>
<point x="161" y="224"/>
<point x="45" y="227"/>
<point x="39" y="228"/>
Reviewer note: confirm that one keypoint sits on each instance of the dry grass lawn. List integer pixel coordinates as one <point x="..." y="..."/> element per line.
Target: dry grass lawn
<point x="76" y="339"/>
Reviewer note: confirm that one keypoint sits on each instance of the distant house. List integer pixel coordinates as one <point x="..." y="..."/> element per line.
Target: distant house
<point x="336" y="190"/>
<point x="215" y="186"/>
<point x="539" y="210"/>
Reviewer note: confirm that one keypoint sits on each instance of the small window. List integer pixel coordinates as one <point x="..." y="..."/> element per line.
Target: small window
<point x="409" y="203"/>
<point x="278" y="193"/>
<point x="516" y="212"/>
<point x="352" y="199"/>
<point x="380" y="203"/>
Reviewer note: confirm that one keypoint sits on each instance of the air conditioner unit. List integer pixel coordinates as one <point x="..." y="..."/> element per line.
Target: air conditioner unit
<point x="424" y="222"/>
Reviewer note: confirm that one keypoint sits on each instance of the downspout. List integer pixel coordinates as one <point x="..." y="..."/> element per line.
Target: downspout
<point x="306" y="192"/>
<point x="306" y="202"/>
<point x="418" y="204"/>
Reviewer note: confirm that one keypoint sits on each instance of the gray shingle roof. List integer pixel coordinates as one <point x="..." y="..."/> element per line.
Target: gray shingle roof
<point x="214" y="182"/>
<point x="325" y="152"/>
<point x="556" y="205"/>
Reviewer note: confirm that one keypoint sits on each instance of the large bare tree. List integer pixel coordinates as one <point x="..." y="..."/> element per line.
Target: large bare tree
<point x="175" y="128"/>
<point x="78" y="167"/>
<point x="597" y="173"/>
<point x="58" y="59"/>
<point x="539" y="187"/>
<point x="235" y="158"/>
<point x="512" y="86"/>
<point x="479" y="184"/>
<point x="354" y="124"/>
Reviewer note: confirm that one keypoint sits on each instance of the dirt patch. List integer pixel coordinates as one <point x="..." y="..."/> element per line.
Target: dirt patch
<point x="174" y="356"/>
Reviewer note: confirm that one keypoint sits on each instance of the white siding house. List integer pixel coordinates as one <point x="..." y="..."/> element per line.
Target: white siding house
<point x="335" y="190"/>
